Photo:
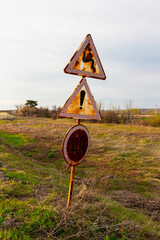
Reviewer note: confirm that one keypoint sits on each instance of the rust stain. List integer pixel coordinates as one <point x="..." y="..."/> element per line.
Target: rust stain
<point x="70" y="60"/>
<point x="87" y="108"/>
<point x="74" y="152"/>
<point x="81" y="104"/>
<point x="87" y="63"/>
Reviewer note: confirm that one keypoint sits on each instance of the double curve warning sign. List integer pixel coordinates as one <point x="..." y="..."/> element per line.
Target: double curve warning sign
<point x="85" y="62"/>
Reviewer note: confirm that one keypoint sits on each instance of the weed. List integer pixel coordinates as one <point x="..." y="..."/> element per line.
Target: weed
<point x="51" y="154"/>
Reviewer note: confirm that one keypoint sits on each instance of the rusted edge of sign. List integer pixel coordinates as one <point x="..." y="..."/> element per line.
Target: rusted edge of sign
<point x="62" y="112"/>
<point x="68" y="69"/>
<point x="65" y="141"/>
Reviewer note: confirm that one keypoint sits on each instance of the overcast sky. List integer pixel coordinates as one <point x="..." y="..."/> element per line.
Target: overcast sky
<point x="38" y="38"/>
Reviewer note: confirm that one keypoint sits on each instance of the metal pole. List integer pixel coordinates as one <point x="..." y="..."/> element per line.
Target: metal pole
<point x="71" y="179"/>
<point x="78" y="121"/>
<point x="71" y="186"/>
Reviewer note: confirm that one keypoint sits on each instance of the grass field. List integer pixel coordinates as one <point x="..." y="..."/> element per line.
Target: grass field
<point x="116" y="191"/>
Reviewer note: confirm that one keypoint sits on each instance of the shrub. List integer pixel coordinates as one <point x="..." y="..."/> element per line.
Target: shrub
<point x="154" y="121"/>
<point x="28" y="110"/>
<point x="44" y="112"/>
<point x="110" y="116"/>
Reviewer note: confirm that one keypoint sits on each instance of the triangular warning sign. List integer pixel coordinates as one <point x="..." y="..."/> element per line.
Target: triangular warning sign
<point x="85" y="61"/>
<point x="81" y="104"/>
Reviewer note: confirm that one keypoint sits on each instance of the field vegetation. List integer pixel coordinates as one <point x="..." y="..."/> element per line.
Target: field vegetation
<point x="116" y="191"/>
<point x="130" y="115"/>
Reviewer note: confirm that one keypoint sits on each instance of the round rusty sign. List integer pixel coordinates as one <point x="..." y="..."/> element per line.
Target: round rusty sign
<point x="75" y="145"/>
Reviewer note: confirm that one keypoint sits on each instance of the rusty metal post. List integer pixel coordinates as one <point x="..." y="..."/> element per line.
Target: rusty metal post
<point x="71" y="186"/>
<point x="71" y="178"/>
<point x="78" y="121"/>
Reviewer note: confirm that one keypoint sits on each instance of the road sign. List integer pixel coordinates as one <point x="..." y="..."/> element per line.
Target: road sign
<point x="75" y="145"/>
<point x="81" y="104"/>
<point x="85" y="61"/>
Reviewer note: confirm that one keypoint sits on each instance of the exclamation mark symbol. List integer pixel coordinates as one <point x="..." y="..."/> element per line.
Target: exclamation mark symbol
<point x="82" y="95"/>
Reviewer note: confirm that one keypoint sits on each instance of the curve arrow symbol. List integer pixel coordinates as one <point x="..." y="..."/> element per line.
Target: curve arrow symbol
<point x="87" y="60"/>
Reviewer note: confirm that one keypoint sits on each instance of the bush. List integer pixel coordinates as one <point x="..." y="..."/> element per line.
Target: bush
<point x="110" y="116"/>
<point x="44" y="112"/>
<point x="26" y="110"/>
<point x="119" y="116"/>
<point x="153" y="121"/>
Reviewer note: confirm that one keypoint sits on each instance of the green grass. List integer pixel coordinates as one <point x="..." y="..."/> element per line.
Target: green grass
<point x="14" y="140"/>
<point x="116" y="191"/>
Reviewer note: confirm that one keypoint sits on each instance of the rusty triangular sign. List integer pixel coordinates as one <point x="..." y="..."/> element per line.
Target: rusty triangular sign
<point x="85" y="62"/>
<point x="81" y="104"/>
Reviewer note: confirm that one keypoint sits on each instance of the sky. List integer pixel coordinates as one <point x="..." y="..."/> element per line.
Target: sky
<point x="39" y="37"/>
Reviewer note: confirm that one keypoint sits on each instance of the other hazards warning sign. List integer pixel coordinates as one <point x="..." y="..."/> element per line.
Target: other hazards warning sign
<point x="81" y="104"/>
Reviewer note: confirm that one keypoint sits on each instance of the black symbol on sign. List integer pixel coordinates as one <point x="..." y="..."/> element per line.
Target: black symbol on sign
<point x="87" y="60"/>
<point x="82" y="95"/>
<point x="79" y="145"/>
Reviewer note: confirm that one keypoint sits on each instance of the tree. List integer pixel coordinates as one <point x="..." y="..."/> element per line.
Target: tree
<point x="31" y="103"/>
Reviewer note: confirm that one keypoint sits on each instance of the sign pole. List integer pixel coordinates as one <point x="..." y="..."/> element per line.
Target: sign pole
<point x="81" y="104"/>
<point x="78" y="121"/>
<point x="71" y="179"/>
<point x="71" y="186"/>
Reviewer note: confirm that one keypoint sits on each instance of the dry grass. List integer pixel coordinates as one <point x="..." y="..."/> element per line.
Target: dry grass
<point x="6" y="116"/>
<point x="116" y="189"/>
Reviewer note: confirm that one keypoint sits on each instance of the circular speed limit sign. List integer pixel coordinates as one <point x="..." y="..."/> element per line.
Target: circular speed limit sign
<point x="75" y="145"/>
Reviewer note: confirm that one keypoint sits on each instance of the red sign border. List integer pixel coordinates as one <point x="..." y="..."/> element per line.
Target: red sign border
<point x="65" y="141"/>
<point x="62" y="112"/>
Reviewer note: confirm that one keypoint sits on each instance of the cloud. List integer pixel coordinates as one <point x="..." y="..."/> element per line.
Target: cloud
<point x="38" y="38"/>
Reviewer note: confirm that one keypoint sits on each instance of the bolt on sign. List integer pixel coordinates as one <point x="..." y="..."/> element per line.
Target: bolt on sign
<point x="80" y="105"/>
